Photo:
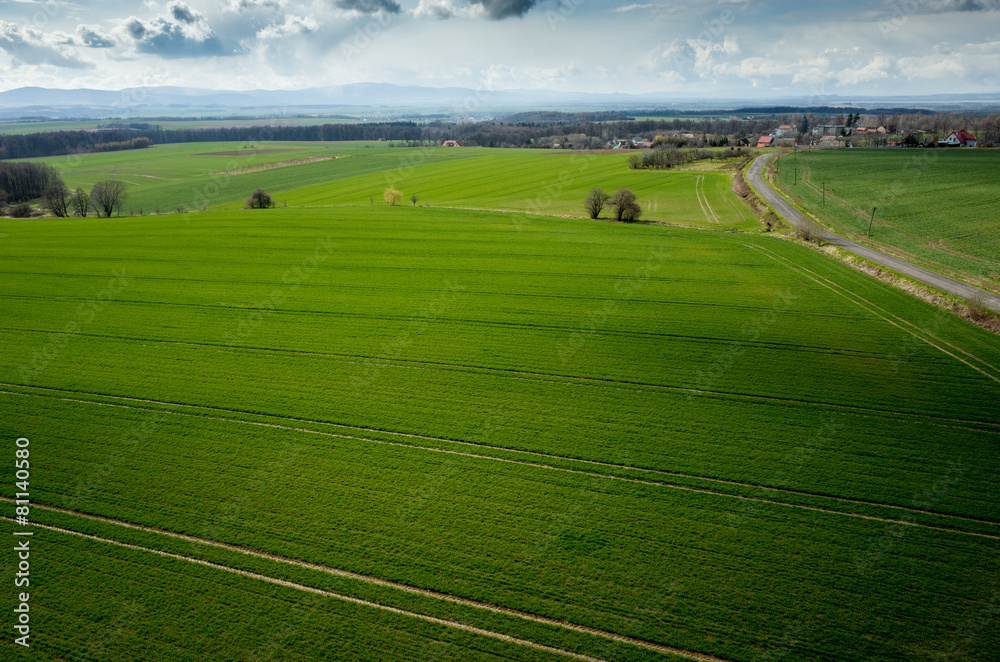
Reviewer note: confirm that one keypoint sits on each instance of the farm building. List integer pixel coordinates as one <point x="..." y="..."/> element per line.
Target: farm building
<point x="962" y="137"/>
<point x="765" y="141"/>
<point x="451" y="143"/>
<point x="784" y="130"/>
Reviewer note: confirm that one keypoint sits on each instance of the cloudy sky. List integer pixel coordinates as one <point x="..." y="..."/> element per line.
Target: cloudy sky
<point x="715" y="48"/>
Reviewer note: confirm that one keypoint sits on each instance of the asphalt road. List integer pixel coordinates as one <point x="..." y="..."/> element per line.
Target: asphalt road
<point x="925" y="276"/>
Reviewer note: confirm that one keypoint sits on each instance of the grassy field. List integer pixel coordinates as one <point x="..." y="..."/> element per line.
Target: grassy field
<point x="350" y="174"/>
<point x="704" y="442"/>
<point x="934" y="207"/>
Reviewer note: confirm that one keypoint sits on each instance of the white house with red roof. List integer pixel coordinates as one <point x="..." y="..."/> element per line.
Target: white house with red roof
<point x="962" y="137"/>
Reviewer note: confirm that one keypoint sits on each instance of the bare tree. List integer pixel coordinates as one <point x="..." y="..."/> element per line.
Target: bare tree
<point x="80" y="202"/>
<point x="108" y="196"/>
<point x="259" y="199"/>
<point x="625" y="206"/>
<point x="56" y="198"/>
<point x="993" y="129"/>
<point x="594" y="204"/>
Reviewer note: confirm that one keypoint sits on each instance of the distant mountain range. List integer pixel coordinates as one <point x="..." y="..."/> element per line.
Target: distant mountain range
<point x="38" y="102"/>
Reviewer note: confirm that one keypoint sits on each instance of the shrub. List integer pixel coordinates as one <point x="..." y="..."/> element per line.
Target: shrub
<point x="625" y="206"/>
<point x="392" y="195"/>
<point x="594" y="203"/>
<point x="22" y="210"/>
<point x="259" y="199"/>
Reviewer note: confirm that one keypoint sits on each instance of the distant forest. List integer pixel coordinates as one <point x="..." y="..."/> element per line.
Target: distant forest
<point x="523" y="130"/>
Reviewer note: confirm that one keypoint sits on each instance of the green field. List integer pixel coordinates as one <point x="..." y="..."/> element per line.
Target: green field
<point x="935" y="207"/>
<point x="222" y="175"/>
<point x="708" y="443"/>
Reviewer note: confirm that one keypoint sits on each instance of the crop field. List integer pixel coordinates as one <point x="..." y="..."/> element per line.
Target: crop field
<point x="221" y="175"/>
<point x="935" y="207"/>
<point x="339" y="430"/>
<point x="196" y="175"/>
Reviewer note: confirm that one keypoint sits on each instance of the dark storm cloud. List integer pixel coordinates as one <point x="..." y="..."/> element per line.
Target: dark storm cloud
<point x="370" y="6"/>
<point x="501" y="9"/>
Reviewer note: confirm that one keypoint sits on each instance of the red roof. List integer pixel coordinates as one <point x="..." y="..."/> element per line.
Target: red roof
<point x="764" y="140"/>
<point x="964" y="136"/>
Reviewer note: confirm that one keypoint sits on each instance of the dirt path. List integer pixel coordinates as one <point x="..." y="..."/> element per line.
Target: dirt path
<point x="796" y="218"/>
<point x="370" y="580"/>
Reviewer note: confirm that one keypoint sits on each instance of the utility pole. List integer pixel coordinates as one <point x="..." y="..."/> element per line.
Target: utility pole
<point x="871" y="221"/>
<point x="824" y="194"/>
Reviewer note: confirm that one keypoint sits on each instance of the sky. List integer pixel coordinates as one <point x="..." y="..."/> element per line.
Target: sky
<point x="712" y="49"/>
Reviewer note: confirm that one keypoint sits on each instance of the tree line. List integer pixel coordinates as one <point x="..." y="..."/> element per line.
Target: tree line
<point x="705" y="132"/>
<point x="20" y="182"/>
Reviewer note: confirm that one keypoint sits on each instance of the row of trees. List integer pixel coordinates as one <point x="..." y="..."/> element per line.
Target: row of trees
<point x="623" y="202"/>
<point x="20" y="182"/>
<point x="53" y="143"/>
<point x="704" y="132"/>
<point x="104" y="199"/>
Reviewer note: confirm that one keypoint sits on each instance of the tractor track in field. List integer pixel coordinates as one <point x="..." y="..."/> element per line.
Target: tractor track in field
<point x="550" y="467"/>
<point x="699" y="192"/>
<point x="988" y="369"/>
<point x="574" y="380"/>
<point x="369" y="579"/>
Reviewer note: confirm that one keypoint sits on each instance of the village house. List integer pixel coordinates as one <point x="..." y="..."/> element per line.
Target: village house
<point x="828" y="130"/>
<point x="784" y="130"/>
<point x="765" y="141"/>
<point x="963" y="138"/>
<point x="451" y="143"/>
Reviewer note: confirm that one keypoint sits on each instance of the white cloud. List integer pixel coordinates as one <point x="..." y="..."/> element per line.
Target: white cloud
<point x="182" y="33"/>
<point x="876" y="69"/>
<point x="970" y="62"/>
<point x="29" y="46"/>
<point x="292" y="26"/>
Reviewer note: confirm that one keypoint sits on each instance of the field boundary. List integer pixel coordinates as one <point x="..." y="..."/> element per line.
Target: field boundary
<point x="544" y="620"/>
<point x="856" y="299"/>
<point x="925" y="276"/>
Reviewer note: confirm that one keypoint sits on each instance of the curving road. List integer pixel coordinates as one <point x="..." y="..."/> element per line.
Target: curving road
<point x="796" y="218"/>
